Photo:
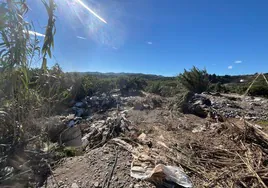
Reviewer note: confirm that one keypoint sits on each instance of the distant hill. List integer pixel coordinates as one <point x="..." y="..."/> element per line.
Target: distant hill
<point x="226" y="79"/>
<point x="170" y="86"/>
<point x="116" y="75"/>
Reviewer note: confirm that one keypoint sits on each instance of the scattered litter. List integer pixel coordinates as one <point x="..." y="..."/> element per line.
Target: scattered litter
<point x="71" y="123"/>
<point x="143" y="167"/>
<point x="102" y="131"/>
<point x="163" y="174"/>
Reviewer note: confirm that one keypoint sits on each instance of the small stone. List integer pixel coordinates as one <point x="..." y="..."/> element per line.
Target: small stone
<point x="74" y="185"/>
<point x="105" y="151"/>
<point x="115" y="178"/>
<point x="96" y="184"/>
<point x="131" y="185"/>
<point x="128" y="163"/>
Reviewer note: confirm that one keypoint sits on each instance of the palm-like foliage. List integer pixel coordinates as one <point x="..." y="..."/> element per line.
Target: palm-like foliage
<point x="50" y="32"/>
<point x="16" y="45"/>
<point x="195" y="80"/>
<point x="20" y="100"/>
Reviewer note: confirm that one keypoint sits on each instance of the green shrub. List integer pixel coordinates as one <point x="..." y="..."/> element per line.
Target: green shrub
<point x="166" y="87"/>
<point x="130" y="84"/>
<point x="26" y="98"/>
<point x="218" y="87"/>
<point x="259" y="90"/>
<point x="155" y="88"/>
<point x="195" y="80"/>
<point x="91" y="85"/>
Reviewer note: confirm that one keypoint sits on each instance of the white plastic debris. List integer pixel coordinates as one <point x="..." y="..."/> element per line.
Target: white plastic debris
<point x="170" y="173"/>
<point x="71" y="123"/>
<point x="176" y="175"/>
<point x="85" y="140"/>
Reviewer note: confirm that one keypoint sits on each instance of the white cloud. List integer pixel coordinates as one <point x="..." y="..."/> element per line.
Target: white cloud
<point x="36" y="33"/>
<point x="150" y="43"/>
<point x="230" y="67"/>
<point x="115" y="48"/>
<point x="83" y="38"/>
<point x="238" y="62"/>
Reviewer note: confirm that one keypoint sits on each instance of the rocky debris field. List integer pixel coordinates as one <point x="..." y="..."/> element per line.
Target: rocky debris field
<point x="235" y="106"/>
<point x="136" y="140"/>
<point x="226" y="105"/>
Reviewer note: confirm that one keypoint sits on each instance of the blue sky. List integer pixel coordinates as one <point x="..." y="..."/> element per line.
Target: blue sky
<point x="159" y="36"/>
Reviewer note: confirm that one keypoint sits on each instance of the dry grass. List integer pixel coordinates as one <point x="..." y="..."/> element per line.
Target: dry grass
<point x="241" y="165"/>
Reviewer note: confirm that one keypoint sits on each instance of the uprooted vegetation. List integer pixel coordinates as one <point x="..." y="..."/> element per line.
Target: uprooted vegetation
<point x="210" y="152"/>
<point x="108" y="135"/>
<point x="122" y="130"/>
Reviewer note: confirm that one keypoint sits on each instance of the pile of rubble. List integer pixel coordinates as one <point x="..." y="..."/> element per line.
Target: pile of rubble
<point x="145" y="102"/>
<point x="96" y="103"/>
<point x="195" y="104"/>
<point x="99" y="132"/>
<point x="81" y="128"/>
<point x="130" y="148"/>
<point x="235" y="106"/>
<point x="225" y="106"/>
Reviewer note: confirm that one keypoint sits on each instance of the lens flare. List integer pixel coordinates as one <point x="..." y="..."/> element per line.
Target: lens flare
<point x="91" y="11"/>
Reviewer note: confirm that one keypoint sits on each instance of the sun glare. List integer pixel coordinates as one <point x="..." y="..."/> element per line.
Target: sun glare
<point x="91" y="11"/>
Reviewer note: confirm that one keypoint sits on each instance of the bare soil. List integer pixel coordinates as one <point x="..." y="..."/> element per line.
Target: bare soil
<point x="167" y="132"/>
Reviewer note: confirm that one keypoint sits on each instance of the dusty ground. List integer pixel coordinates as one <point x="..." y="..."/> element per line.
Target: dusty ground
<point x="94" y="168"/>
<point x="167" y="133"/>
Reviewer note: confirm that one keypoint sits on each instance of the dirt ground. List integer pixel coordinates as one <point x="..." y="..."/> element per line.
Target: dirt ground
<point x="170" y="134"/>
